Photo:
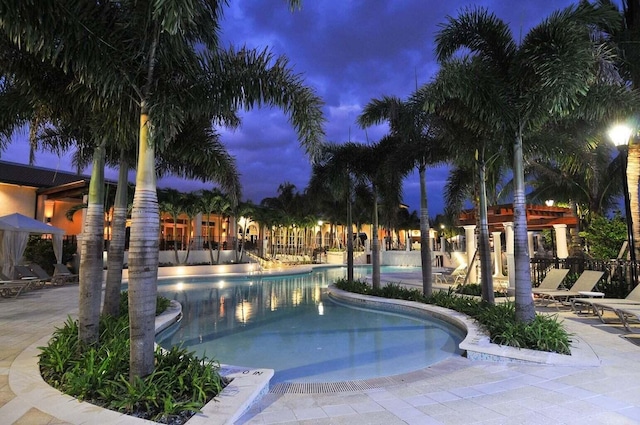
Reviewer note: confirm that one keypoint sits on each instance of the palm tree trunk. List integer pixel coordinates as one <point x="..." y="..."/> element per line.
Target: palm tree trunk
<point x="91" y="248"/>
<point x="143" y="258"/>
<point x="175" y="240"/>
<point x="525" y="310"/>
<point x="115" y="258"/>
<point x="375" y="244"/>
<point x="486" y="277"/>
<point x="425" y="246"/>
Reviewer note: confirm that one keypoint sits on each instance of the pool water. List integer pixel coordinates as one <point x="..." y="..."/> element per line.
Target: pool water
<point x="288" y="324"/>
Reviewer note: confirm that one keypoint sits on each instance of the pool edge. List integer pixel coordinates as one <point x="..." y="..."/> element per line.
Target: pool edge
<point x="476" y="344"/>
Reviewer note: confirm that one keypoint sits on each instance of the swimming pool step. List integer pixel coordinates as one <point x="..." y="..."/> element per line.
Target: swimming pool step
<point x="346" y="386"/>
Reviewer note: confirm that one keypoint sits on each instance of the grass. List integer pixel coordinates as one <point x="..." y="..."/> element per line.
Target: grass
<point x="180" y="385"/>
<point x="545" y="333"/>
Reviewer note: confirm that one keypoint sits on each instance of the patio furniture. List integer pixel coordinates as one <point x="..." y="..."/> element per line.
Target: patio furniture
<point x="12" y="287"/>
<point x="598" y="305"/>
<point x="627" y="312"/>
<point x="586" y="282"/>
<point x="551" y="281"/>
<point x="25" y="273"/>
<point x="62" y="275"/>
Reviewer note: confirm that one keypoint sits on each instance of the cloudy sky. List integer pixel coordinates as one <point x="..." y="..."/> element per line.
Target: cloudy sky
<point x="349" y="51"/>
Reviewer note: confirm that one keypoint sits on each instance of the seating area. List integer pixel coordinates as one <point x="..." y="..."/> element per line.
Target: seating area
<point x="552" y="281"/>
<point x="33" y="276"/>
<point x="583" y="286"/>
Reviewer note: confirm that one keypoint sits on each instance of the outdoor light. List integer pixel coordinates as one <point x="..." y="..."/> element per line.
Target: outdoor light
<point x="620" y="135"/>
<point x="549" y="202"/>
<point x="48" y="208"/>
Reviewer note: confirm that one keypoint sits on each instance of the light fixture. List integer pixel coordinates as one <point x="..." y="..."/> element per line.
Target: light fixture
<point x="549" y="202"/>
<point x="48" y="208"/>
<point x="620" y="134"/>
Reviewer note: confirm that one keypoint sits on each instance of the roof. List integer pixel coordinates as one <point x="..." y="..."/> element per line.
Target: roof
<point x="38" y="177"/>
<point x="539" y="217"/>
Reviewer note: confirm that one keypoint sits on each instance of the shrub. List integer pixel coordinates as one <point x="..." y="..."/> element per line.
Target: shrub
<point x="179" y="386"/>
<point x="543" y="334"/>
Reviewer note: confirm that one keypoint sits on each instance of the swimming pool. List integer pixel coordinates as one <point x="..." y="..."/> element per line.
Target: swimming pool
<point x="287" y="323"/>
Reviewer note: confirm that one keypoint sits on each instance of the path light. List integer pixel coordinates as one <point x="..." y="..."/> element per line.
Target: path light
<point x="549" y="202"/>
<point x="620" y="135"/>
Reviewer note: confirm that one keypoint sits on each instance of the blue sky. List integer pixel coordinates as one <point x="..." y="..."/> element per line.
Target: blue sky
<point x="349" y="51"/>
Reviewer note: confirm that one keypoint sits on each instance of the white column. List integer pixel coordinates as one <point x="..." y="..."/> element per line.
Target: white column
<point x="407" y="240"/>
<point x="497" y="255"/>
<point x="470" y="240"/>
<point x="561" y="240"/>
<point x="530" y="243"/>
<point x="511" y="270"/>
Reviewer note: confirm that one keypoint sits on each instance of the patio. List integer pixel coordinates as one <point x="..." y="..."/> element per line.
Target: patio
<point x="457" y="391"/>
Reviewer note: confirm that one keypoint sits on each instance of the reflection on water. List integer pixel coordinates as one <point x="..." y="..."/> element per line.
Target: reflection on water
<point x="286" y="323"/>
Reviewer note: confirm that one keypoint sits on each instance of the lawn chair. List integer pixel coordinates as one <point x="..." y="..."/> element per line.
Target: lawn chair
<point x="551" y="281"/>
<point x="62" y="275"/>
<point x="11" y="287"/>
<point x="458" y="275"/>
<point x="24" y="273"/>
<point x="585" y="283"/>
<point x="628" y="312"/>
<point x="40" y="273"/>
<point x="599" y="305"/>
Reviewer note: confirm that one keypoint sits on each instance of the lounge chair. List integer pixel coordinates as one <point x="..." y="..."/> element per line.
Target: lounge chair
<point x="62" y="275"/>
<point x="458" y="275"/>
<point x="626" y="312"/>
<point x="39" y="272"/>
<point x="12" y="287"/>
<point x="25" y="273"/>
<point x="585" y="283"/>
<point x="598" y="305"/>
<point x="552" y="280"/>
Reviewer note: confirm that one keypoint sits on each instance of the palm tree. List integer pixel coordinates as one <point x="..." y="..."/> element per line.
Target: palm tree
<point x="522" y="87"/>
<point x="627" y="38"/>
<point x="333" y="178"/>
<point x="377" y="166"/>
<point x="418" y="136"/>
<point x="172" y="82"/>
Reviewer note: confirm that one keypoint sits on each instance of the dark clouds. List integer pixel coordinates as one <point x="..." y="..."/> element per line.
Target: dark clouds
<point x="349" y="52"/>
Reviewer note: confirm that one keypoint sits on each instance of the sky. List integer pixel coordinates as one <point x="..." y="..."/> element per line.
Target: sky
<point x="349" y="52"/>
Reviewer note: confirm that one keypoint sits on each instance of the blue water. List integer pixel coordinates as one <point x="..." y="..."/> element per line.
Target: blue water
<point x="287" y="323"/>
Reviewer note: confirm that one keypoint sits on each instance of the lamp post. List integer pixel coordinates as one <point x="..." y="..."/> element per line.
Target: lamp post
<point x="620" y="136"/>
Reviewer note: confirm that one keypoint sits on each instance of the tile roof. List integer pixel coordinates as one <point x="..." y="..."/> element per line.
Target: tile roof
<point x="26" y="175"/>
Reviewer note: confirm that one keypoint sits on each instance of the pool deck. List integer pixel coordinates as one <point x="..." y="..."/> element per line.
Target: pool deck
<point x="455" y="391"/>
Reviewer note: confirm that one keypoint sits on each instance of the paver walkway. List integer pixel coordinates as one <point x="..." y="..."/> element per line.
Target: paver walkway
<point x="459" y="391"/>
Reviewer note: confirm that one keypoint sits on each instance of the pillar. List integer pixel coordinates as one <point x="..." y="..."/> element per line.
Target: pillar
<point x="530" y="243"/>
<point x="561" y="240"/>
<point x="511" y="269"/>
<point x="497" y="255"/>
<point x="470" y="239"/>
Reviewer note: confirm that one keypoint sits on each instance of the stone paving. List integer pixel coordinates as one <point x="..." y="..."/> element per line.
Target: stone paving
<point x="458" y="391"/>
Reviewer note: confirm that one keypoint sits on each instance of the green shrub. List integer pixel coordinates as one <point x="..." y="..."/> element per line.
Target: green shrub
<point x="605" y="236"/>
<point x="179" y="386"/>
<point x="162" y="303"/>
<point x="543" y="334"/>
<point x="475" y="289"/>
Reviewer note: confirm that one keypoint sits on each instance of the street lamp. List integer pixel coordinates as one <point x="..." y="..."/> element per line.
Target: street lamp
<point x="620" y="135"/>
